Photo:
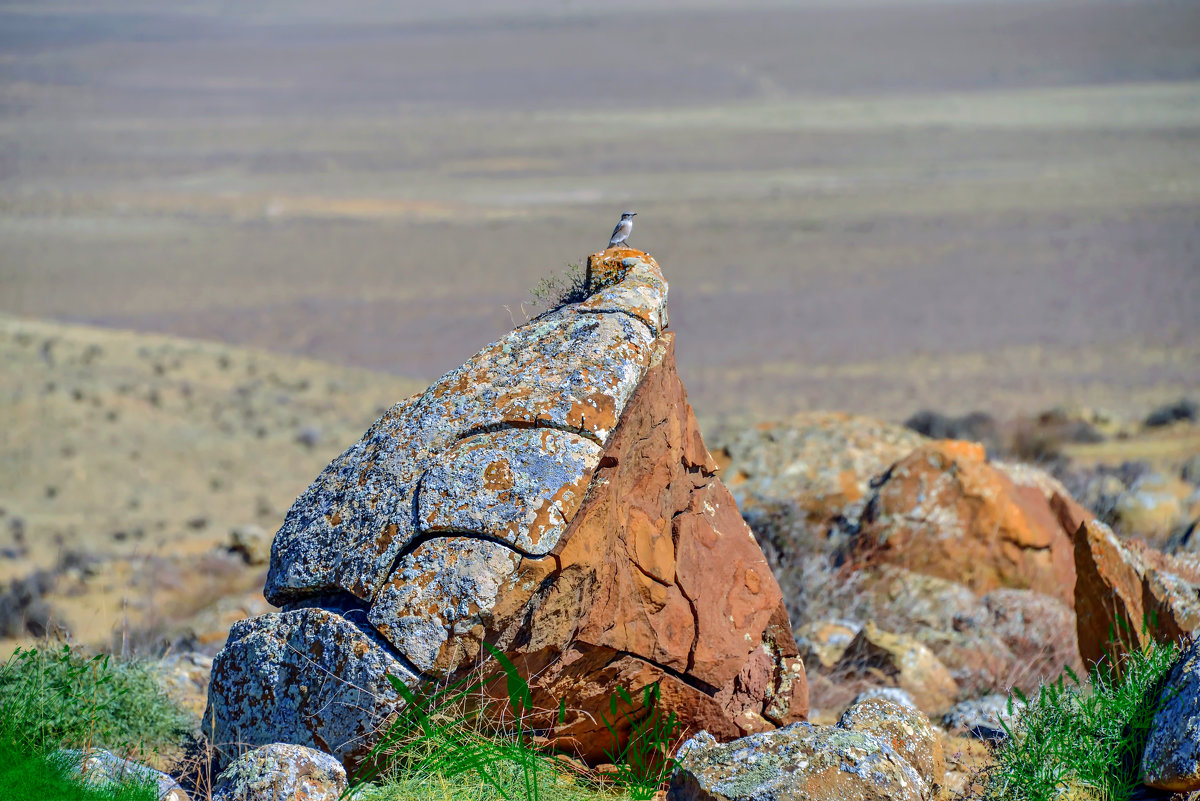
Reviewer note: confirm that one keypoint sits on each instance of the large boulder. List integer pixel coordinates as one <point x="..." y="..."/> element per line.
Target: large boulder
<point x="552" y="498"/>
<point x="1128" y="594"/>
<point x="943" y="510"/>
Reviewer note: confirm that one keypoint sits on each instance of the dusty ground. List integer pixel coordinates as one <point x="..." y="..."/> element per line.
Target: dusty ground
<point x="872" y="207"/>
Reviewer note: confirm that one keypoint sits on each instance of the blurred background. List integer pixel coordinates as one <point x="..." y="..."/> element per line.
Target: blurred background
<point x="231" y="233"/>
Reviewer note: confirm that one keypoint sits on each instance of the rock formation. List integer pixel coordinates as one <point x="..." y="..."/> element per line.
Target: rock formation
<point x="1127" y="594"/>
<point x="944" y="511"/>
<point x="552" y="498"/>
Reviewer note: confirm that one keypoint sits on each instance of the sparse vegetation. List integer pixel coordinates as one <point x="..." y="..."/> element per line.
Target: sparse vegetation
<point x="443" y="747"/>
<point x="51" y="700"/>
<point x="1085" y="737"/>
<point x="556" y="291"/>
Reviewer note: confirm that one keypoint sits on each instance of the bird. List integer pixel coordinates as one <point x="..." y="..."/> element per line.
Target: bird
<point x="623" y="230"/>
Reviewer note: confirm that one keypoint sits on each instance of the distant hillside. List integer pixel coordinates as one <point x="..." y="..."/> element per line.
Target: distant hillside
<point x="126" y="461"/>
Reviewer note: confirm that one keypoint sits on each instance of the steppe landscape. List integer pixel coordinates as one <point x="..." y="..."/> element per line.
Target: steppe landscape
<point x="233" y="235"/>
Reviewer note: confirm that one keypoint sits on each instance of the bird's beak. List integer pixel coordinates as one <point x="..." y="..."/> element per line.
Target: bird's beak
<point x="634" y="214"/>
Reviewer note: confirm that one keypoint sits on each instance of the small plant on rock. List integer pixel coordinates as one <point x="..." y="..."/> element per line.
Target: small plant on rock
<point x="441" y="738"/>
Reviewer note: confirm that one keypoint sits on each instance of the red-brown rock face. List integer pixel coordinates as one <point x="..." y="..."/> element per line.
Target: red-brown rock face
<point x="661" y="580"/>
<point x="1127" y="594"/>
<point x="944" y="511"/>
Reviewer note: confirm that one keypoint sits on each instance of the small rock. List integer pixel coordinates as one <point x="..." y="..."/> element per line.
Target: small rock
<point x="800" y="762"/>
<point x="281" y="770"/>
<point x="103" y="768"/>
<point x="251" y="543"/>
<point x="1171" y="760"/>
<point x="905" y="729"/>
<point x="823" y="642"/>
<point x="980" y="718"/>
<point x="904" y="660"/>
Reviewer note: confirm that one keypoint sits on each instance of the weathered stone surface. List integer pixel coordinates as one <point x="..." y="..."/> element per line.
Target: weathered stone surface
<point x="800" y="762"/>
<point x="520" y="486"/>
<point x="906" y="730"/>
<point x="553" y="498"/>
<point x="102" y="768"/>
<point x="1123" y="585"/>
<point x="632" y="286"/>
<point x="281" y="771"/>
<point x="570" y="371"/>
<point x="309" y="677"/>
<point x="944" y="511"/>
<point x="446" y="594"/>
<point x="819" y="462"/>
<point x="1171" y="760"/>
<point x="903" y="661"/>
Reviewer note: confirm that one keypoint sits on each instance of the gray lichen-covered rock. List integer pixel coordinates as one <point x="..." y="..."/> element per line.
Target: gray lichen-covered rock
<point x="553" y="498"/>
<point x="281" y="771"/>
<point x="1172" y="756"/>
<point x="905" y="729"/>
<point x="800" y="762"/>
<point x="312" y="677"/>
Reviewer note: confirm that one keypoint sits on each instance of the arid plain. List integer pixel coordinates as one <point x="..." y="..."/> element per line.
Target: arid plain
<point x="868" y="207"/>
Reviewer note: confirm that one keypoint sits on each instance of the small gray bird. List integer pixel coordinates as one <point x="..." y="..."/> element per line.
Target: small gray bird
<point x="623" y="230"/>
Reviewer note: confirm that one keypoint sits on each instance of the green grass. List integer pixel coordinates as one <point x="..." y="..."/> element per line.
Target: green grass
<point x="1083" y="737"/>
<point x="50" y="700"/>
<point x="40" y="777"/>
<point x="454" y="743"/>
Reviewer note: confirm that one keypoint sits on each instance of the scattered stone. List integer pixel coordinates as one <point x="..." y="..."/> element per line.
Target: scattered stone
<point x="892" y="694"/>
<point x="1171" y="760"/>
<point x="309" y="436"/>
<point x="185" y="677"/>
<point x="281" y="771"/>
<point x="944" y="511"/>
<point x="310" y="677"/>
<point x="972" y="427"/>
<point x="251" y="543"/>
<point x="800" y="762"/>
<point x="101" y="767"/>
<point x="980" y="717"/>
<point x="905" y="729"/>
<point x="903" y="661"/>
<point x="823" y="642"/>
<point x="1153" y="507"/>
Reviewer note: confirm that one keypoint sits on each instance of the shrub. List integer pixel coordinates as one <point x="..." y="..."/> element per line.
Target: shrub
<point x="51" y="700"/>
<point x="1083" y="737"/>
